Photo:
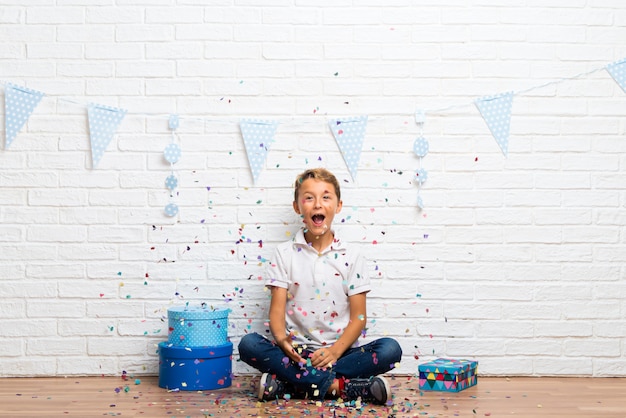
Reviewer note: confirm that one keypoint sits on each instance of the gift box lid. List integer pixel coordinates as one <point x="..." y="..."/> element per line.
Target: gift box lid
<point x="196" y="312"/>
<point x="178" y="352"/>
<point x="449" y="366"/>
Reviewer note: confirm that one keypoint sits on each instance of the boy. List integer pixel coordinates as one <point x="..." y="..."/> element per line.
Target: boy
<point x="318" y="311"/>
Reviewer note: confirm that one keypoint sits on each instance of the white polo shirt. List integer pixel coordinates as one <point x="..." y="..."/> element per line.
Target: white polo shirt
<point x="318" y="286"/>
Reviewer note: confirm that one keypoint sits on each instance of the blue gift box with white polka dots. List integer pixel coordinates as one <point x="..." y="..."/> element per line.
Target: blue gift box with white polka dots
<point x="197" y="326"/>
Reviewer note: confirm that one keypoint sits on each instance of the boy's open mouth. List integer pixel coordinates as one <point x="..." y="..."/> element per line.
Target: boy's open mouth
<point x="318" y="219"/>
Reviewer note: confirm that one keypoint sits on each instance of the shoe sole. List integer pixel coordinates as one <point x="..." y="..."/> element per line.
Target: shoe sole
<point x="387" y="389"/>
<point x="262" y="385"/>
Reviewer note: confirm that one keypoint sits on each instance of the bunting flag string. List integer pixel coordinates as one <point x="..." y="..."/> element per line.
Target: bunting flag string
<point x="103" y="122"/>
<point x="19" y="103"/>
<point x="258" y="134"/>
<point x="349" y="134"/>
<point x="496" y="111"/>
<point x="257" y="137"/>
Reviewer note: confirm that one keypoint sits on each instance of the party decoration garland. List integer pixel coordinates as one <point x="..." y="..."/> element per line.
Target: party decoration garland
<point x="420" y="148"/>
<point x="258" y="134"/>
<point x="172" y="154"/>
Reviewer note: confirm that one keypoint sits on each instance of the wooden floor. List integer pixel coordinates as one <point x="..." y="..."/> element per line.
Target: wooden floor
<point x="492" y="397"/>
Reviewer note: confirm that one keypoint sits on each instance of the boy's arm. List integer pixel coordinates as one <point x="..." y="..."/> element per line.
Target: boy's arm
<point x="327" y="356"/>
<point x="277" y="323"/>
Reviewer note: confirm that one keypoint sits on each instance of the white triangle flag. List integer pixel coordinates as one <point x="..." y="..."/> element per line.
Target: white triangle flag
<point x="19" y="103"/>
<point x="257" y="136"/>
<point x="618" y="72"/>
<point x="349" y="134"/>
<point x="103" y="122"/>
<point x="496" y="111"/>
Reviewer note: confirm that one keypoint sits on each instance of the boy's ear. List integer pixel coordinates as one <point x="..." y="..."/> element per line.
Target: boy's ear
<point x="295" y="207"/>
<point x="339" y="206"/>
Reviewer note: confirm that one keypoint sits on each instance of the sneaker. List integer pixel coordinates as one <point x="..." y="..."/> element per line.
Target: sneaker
<point x="375" y="390"/>
<point x="270" y="388"/>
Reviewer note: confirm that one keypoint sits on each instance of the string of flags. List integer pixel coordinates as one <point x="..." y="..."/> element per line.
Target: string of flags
<point x="258" y="134"/>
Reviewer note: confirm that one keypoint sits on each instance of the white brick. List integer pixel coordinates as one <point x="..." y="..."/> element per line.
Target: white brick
<point x="144" y="33"/>
<point x="87" y="216"/>
<point x="34" y="367"/>
<point x="115" y="234"/>
<point x="55" y="15"/>
<point x="56" y="234"/>
<point x="98" y="346"/>
<point x="55" y="270"/>
<point x="609" y="367"/>
<point x="20" y="328"/>
<point x="55" y="346"/>
<point x="599" y="347"/>
<point x="31" y="252"/>
<point x="11" y="348"/>
<point x="109" y="309"/>
<point x="55" y="309"/>
<point x="76" y="365"/>
<point x="12" y="271"/>
<point x="54" y="51"/>
<point x="112" y="51"/>
<point x="11" y="234"/>
<point x="475" y="348"/>
<point x="520" y="347"/>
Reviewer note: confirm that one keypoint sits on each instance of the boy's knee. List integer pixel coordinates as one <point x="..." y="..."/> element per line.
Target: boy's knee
<point x="247" y="343"/>
<point x="391" y="349"/>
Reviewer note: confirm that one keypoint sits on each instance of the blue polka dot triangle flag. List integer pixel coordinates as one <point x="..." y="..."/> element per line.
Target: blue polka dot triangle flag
<point x="19" y="103"/>
<point x="257" y="137"/>
<point x="103" y="122"/>
<point x="349" y="134"/>
<point x="618" y="72"/>
<point x="496" y="111"/>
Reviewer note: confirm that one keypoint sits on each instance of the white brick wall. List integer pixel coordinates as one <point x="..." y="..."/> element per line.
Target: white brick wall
<point x="518" y="262"/>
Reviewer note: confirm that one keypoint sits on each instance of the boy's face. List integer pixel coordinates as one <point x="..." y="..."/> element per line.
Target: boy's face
<point x="317" y="204"/>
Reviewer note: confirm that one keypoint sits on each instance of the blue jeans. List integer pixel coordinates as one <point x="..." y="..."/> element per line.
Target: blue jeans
<point x="371" y="359"/>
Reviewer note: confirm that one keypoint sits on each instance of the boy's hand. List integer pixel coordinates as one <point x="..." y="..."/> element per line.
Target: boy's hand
<point x="288" y="348"/>
<point x="324" y="358"/>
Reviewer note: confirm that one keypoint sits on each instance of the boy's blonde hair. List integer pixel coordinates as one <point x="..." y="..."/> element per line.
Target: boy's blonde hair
<point x="320" y="174"/>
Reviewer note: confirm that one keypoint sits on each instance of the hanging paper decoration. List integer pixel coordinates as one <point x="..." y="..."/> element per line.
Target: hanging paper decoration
<point x="496" y="111"/>
<point x="171" y="209"/>
<point x="420" y="148"/>
<point x="172" y="154"/>
<point x="171" y="182"/>
<point x="349" y="134"/>
<point x="618" y="72"/>
<point x="103" y="122"/>
<point x="19" y="103"/>
<point x="257" y="136"/>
